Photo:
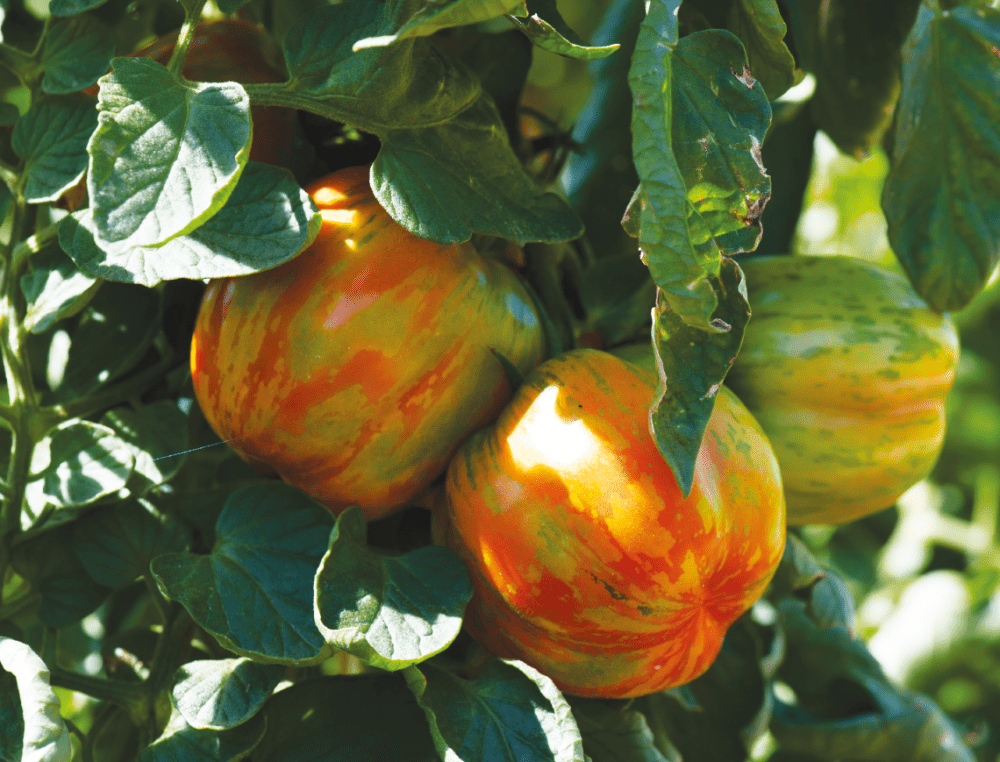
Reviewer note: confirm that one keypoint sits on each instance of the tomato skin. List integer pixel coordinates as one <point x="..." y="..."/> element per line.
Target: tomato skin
<point x="586" y="560"/>
<point x="847" y="370"/>
<point x="354" y="370"/>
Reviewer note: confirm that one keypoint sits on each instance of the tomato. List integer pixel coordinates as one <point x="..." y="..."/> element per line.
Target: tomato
<point x="354" y="370"/>
<point x="586" y="560"/>
<point x="847" y="370"/>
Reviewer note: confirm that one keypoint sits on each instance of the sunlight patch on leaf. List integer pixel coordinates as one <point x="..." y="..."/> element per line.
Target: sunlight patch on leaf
<point x="266" y="221"/>
<point x="165" y="155"/>
<point x="390" y="612"/>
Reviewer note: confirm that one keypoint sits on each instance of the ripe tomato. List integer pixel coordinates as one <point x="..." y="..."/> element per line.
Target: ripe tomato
<point x="847" y="370"/>
<point x="355" y="370"/>
<point x="587" y="562"/>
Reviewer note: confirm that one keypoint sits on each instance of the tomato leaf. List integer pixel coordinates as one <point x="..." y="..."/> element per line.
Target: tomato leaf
<point x="428" y="126"/>
<point x="762" y="29"/>
<point x="180" y="741"/>
<point x="113" y="334"/>
<point x="614" y="733"/>
<point x="492" y="195"/>
<point x="692" y="365"/>
<point x="78" y="463"/>
<point x="853" y="48"/>
<point x="434" y="15"/>
<point x="375" y="89"/>
<point x="253" y="592"/>
<point x="864" y="716"/>
<point x="44" y="734"/>
<point x="266" y="221"/>
<point x="797" y="571"/>
<point x="732" y="701"/>
<point x="165" y="156"/>
<point x="551" y="33"/>
<point x="511" y="713"/>
<point x="72" y="7"/>
<point x="390" y="612"/>
<point x="68" y="592"/>
<point x="116" y="543"/>
<point x="51" y="139"/>
<point x="218" y="694"/>
<point x="942" y="195"/>
<point x="76" y="53"/>
<point x="718" y="148"/>
<point x="54" y="289"/>
<point x="158" y="435"/>
<point x="346" y="718"/>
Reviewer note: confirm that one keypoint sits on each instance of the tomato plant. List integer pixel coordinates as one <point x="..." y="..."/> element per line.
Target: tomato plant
<point x="356" y="369"/>
<point x="587" y="561"/>
<point x="385" y="206"/>
<point x="847" y="369"/>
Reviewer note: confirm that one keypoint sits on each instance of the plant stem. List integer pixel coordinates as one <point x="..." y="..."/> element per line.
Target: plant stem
<point x="21" y="390"/>
<point x="184" y="37"/>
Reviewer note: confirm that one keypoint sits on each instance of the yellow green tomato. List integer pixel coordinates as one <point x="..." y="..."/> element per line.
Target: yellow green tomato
<point x="847" y="370"/>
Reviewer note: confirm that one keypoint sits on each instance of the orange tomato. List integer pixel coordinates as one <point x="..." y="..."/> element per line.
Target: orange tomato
<point x="355" y="370"/>
<point x="587" y="562"/>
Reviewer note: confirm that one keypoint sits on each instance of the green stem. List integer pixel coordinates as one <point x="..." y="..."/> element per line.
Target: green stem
<point x="108" y="398"/>
<point x="132" y="696"/>
<point x="21" y="390"/>
<point x="32" y="245"/>
<point x="184" y="37"/>
<point x="11" y="609"/>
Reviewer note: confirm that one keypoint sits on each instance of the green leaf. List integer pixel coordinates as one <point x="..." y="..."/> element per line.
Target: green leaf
<point x="165" y="156"/>
<point x="373" y="717"/>
<point x="434" y="15"/>
<point x="762" y="29"/>
<point x="659" y="213"/>
<point x="732" y="706"/>
<point x="693" y="365"/>
<point x="613" y="733"/>
<point x="218" y="694"/>
<point x="407" y="85"/>
<point x="158" y="434"/>
<point x="230" y="6"/>
<point x="797" y="571"/>
<point x="72" y="7"/>
<point x="547" y="30"/>
<point x="719" y="124"/>
<point x="266" y="221"/>
<point x="52" y="139"/>
<point x="390" y="612"/>
<point x="511" y="713"/>
<point x="76" y="53"/>
<point x="116" y="543"/>
<point x="113" y="334"/>
<point x="47" y="561"/>
<point x="182" y="743"/>
<point x="254" y="591"/>
<point x="45" y="736"/>
<point x="492" y="195"/>
<point x="77" y="464"/>
<point x="847" y="707"/>
<point x="11" y="718"/>
<point x="942" y="196"/>
<point x="853" y="48"/>
<point x="54" y="289"/>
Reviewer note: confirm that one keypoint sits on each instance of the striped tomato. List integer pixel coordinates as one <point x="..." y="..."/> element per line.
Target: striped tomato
<point x="847" y="370"/>
<point x="587" y="561"/>
<point x="355" y="370"/>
